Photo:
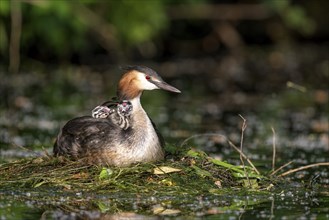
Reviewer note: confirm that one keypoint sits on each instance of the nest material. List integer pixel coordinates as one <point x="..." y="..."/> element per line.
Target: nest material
<point x="192" y="173"/>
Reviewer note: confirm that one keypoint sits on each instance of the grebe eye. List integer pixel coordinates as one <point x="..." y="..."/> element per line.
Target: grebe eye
<point x="147" y="77"/>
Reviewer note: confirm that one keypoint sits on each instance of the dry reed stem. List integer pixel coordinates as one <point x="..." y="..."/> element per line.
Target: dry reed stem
<point x="303" y="168"/>
<point x="280" y="168"/>
<point x="243" y="128"/>
<point x="244" y="156"/>
<point x="274" y="150"/>
<point x="272" y="210"/>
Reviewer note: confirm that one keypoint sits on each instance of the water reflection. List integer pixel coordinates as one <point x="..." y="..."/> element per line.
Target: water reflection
<point x="90" y="206"/>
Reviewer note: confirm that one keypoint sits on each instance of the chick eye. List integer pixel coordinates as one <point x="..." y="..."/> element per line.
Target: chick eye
<point x="147" y="77"/>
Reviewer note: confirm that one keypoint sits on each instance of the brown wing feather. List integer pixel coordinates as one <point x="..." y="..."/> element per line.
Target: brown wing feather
<point x="83" y="133"/>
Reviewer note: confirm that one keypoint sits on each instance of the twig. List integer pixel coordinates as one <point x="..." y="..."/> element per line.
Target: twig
<point x="244" y="156"/>
<point x="243" y="128"/>
<point x="303" y="168"/>
<point x="280" y="168"/>
<point x="274" y="151"/>
<point x="228" y="141"/>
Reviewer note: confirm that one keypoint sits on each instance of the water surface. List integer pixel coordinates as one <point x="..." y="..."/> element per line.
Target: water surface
<point x="210" y="110"/>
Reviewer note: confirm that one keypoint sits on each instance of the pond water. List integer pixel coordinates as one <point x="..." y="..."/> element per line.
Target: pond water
<point x="277" y="110"/>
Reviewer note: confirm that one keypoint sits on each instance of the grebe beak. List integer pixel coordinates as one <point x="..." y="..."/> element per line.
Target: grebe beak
<point x="165" y="86"/>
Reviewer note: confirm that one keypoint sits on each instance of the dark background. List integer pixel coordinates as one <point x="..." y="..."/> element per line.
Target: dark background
<point x="265" y="60"/>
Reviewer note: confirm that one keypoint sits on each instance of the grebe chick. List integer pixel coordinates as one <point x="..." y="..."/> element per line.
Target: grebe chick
<point x="101" y="141"/>
<point x="117" y="111"/>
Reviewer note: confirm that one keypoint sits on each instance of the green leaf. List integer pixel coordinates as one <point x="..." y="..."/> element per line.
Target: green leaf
<point x="196" y="154"/>
<point x="193" y="153"/>
<point x="103" y="207"/>
<point x="39" y="184"/>
<point x="201" y="172"/>
<point x="226" y="165"/>
<point x="237" y="170"/>
<point x="105" y="173"/>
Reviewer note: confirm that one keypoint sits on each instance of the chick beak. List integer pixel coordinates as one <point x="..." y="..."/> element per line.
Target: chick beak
<point x="165" y="86"/>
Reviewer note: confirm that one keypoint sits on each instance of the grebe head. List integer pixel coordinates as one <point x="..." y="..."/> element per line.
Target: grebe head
<point x="139" y="78"/>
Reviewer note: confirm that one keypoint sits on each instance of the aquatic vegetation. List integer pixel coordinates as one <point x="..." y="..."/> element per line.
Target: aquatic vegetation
<point x="192" y="173"/>
<point x="161" y="187"/>
<point x="188" y="181"/>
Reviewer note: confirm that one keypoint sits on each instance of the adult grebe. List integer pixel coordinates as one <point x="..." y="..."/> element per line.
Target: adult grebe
<point x="101" y="141"/>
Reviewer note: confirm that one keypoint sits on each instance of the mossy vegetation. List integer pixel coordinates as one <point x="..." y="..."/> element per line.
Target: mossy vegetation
<point x="191" y="172"/>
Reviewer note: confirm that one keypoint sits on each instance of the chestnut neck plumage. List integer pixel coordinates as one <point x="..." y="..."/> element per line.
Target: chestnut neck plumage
<point x="128" y="90"/>
<point x="146" y="139"/>
<point x="128" y="87"/>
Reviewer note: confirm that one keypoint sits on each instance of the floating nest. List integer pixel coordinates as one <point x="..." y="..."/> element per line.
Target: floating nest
<point x="192" y="172"/>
